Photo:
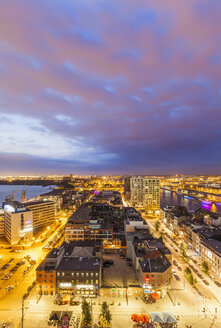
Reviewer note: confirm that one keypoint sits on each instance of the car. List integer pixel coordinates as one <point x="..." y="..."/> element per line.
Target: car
<point x="179" y="268"/>
<point x="107" y="265"/>
<point x="75" y="303"/>
<point x="175" y="262"/>
<point x="17" y="251"/>
<point x="29" y="288"/>
<point x="108" y="262"/>
<point x="217" y="283"/>
<point x="25" y="296"/>
<point x="177" y="277"/>
<point x="200" y="276"/>
<point x="206" y="282"/>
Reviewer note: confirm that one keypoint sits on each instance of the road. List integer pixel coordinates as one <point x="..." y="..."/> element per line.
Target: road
<point x="10" y="302"/>
<point x="211" y="297"/>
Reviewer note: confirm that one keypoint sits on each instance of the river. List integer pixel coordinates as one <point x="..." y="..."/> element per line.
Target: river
<point x="168" y="197"/>
<point x="32" y="191"/>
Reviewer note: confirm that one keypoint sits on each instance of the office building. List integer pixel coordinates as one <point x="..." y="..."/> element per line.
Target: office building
<point x="43" y="212"/>
<point x="18" y="222"/>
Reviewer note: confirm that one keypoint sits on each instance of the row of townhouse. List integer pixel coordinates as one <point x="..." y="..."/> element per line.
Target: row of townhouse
<point x="203" y="235"/>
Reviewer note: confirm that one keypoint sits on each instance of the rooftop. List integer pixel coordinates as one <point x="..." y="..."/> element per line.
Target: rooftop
<point x="159" y="264"/>
<point x="79" y="264"/>
<point x="213" y="245"/>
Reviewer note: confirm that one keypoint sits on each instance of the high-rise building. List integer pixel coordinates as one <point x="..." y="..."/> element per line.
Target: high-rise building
<point x="127" y="185"/>
<point x="18" y="222"/>
<point x="136" y="187"/>
<point x="151" y="195"/>
<point x="43" y="212"/>
<point x="2" y="223"/>
<point x="145" y="193"/>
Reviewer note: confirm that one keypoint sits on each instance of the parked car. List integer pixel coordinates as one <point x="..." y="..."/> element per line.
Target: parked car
<point x="106" y="265"/>
<point x="217" y="283"/>
<point x="206" y="282"/>
<point x="108" y="262"/>
<point x="176" y="277"/>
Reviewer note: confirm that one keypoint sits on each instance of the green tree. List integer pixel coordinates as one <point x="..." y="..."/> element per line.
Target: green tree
<point x="205" y="266"/>
<point x="162" y="235"/>
<point x="189" y="276"/>
<point x="187" y="271"/>
<point x="105" y="316"/>
<point x="86" y="314"/>
<point x="157" y="226"/>
<point x="103" y="323"/>
<point x="104" y="308"/>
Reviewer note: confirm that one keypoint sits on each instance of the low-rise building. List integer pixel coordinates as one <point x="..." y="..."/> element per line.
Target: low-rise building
<point x="74" y="268"/>
<point x="210" y="251"/>
<point x="154" y="274"/>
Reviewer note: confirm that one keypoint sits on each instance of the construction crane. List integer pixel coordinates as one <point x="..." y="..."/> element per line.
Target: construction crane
<point x="11" y="196"/>
<point x="24" y="195"/>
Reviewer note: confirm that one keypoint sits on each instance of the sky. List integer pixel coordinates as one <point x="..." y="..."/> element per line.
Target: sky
<point x="110" y="87"/>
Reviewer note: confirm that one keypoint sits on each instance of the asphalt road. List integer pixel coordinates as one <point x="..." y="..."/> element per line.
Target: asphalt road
<point x="10" y="302"/>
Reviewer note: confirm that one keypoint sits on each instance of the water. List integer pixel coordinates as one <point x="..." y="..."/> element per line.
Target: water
<point x="172" y="198"/>
<point x="32" y="191"/>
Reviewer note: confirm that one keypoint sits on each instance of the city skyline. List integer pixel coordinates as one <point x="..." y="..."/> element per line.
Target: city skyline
<point x="110" y="88"/>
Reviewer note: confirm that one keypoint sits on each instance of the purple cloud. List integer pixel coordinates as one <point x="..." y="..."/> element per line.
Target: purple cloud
<point x="122" y="87"/>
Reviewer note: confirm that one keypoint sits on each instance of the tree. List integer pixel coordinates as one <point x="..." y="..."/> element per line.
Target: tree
<point x="104" y="308"/>
<point x="157" y="225"/>
<point x="189" y="276"/>
<point x="86" y="314"/>
<point x="187" y="271"/>
<point x="105" y="316"/>
<point x="162" y="235"/>
<point x="205" y="266"/>
<point x="103" y="323"/>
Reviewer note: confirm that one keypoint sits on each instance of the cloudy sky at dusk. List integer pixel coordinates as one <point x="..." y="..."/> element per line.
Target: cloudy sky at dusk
<point x="110" y="86"/>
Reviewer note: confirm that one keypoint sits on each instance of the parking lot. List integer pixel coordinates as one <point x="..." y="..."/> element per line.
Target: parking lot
<point x="119" y="273"/>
